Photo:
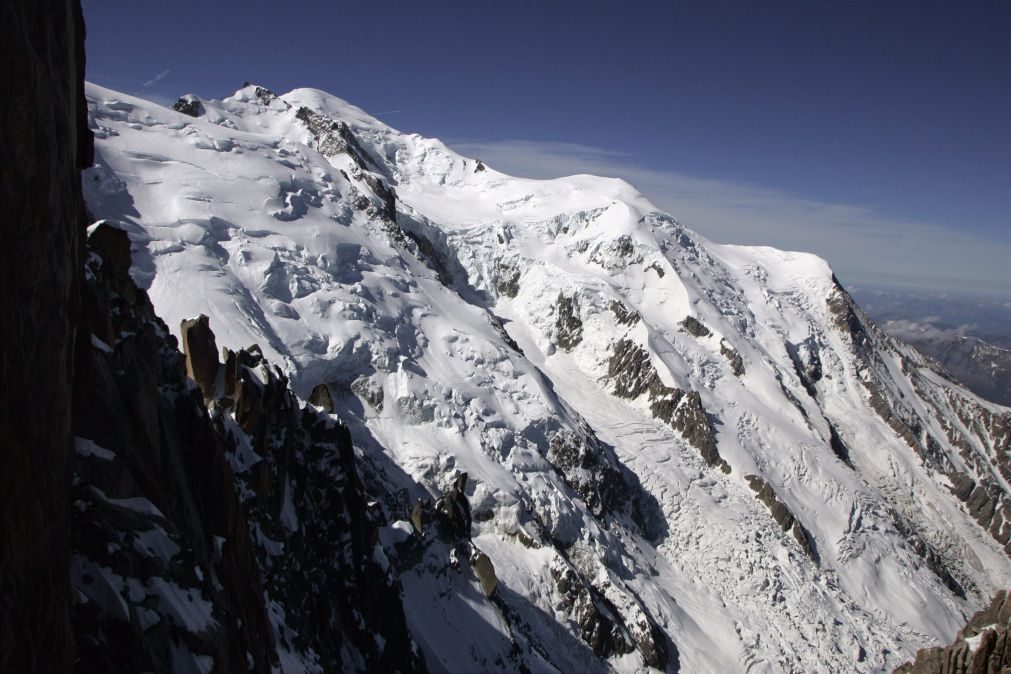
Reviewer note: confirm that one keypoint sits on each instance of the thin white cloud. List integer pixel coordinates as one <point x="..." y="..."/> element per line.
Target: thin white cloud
<point x="861" y="245"/>
<point x="157" y="78"/>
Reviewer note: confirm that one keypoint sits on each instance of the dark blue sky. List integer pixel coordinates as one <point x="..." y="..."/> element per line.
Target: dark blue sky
<point x="901" y="109"/>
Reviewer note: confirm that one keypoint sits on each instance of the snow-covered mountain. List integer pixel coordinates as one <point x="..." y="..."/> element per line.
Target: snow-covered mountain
<point x="678" y="453"/>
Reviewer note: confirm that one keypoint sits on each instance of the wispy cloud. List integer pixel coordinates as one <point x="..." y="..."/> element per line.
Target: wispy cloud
<point x="862" y="245"/>
<point x="157" y="78"/>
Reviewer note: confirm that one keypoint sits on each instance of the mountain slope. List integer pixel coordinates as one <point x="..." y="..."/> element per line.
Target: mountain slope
<point x="678" y="454"/>
<point x="982" y="366"/>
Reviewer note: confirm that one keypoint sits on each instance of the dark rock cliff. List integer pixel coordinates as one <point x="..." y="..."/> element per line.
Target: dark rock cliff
<point x="150" y="524"/>
<point x="44" y="143"/>
<point x="220" y="523"/>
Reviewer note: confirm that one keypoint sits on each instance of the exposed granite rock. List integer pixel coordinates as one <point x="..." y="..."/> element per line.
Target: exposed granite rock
<point x="784" y="518"/>
<point x="591" y="471"/>
<point x="267" y="97"/>
<point x="987" y="503"/>
<point x="479" y="167"/>
<point x="930" y="555"/>
<point x="201" y="353"/>
<point x="630" y="370"/>
<point x="253" y="512"/>
<point x="432" y="257"/>
<point x="730" y="353"/>
<point x="633" y="375"/>
<point x="387" y="197"/>
<point x="507" y="281"/>
<point x="454" y="506"/>
<point x="990" y="654"/>
<point x="568" y="327"/>
<point x="695" y="328"/>
<point x="616" y="254"/>
<point x="806" y="363"/>
<point x="189" y="105"/>
<point x="370" y="392"/>
<point x="144" y="437"/>
<point x="320" y="397"/>
<point x="623" y="314"/>
<point x="485" y="572"/>
<point x="598" y="623"/>
<point x="845" y="317"/>
<point x="46" y="143"/>
<point x="333" y="137"/>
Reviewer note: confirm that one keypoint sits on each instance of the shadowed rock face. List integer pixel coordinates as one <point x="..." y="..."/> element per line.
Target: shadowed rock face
<point x="320" y="397"/>
<point x="201" y="353"/>
<point x="252" y="516"/>
<point x="45" y="144"/>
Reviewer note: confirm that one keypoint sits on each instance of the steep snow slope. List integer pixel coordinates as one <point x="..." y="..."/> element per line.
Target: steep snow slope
<point x="679" y="453"/>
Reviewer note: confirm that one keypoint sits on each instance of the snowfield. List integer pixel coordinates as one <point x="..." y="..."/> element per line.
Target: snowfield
<point x="740" y="472"/>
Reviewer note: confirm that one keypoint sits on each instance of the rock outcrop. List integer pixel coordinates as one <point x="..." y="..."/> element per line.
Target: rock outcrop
<point x="236" y="536"/>
<point x="623" y="315"/>
<point x="695" y="328"/>
<point x="736" y="362"/>
<point x="983" y="646"/>
<point x="201" y="353"/>
<point x="189" y="105"/>
<point x="633" y="375"/>
<point x="568" y="327"/>
<point x="321" y="398"/>
<point x="782" y="514"/>
<point x="46" y="142"/>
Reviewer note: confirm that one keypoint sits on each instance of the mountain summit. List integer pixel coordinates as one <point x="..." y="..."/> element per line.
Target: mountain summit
<point x="592" y="439"/>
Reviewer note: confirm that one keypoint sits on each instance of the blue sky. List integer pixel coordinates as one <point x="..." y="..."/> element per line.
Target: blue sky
<point x="876" y="134"/>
